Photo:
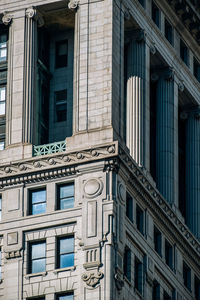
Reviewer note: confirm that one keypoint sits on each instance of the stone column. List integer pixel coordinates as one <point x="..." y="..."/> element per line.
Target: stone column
<point x="137" y="56"/>
<point x="29" y="73"/>
<point x="165" y="128"/>
<point x="193" y="170"/>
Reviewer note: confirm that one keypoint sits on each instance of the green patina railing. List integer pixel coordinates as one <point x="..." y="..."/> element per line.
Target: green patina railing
<point x="49" y="148"/>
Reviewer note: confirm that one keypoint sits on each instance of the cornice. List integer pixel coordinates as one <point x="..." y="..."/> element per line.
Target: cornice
<point x="52" y="166"/>
<point x="146" y="188"/>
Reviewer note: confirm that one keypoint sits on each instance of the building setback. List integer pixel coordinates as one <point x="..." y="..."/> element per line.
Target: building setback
<point x="100" y="150"/>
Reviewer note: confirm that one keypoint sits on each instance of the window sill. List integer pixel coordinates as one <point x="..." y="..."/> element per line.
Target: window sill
<point x="127" y="280"/>
<point x="27" y="276"/>
<point x="138" y="293"/>
<point x="72" y="268"/>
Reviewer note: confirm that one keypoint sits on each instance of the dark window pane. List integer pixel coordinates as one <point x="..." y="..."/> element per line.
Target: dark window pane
<point x="61" y="54"/>
<point x="38" y="208"/>
<point x="196" y="69"/>
<point x="129" y="207"/>
<point x="37" y="202"/>
<point x="66" y="245"/>
<point x="38" y="196"/>
<point x="138" y="275"/>
<point x="168" y="32"/>
<point x="127" y="263"/>
<point x="155" y="14"/>
<point x="65" y="196"/>
<point x="38" y="250"/>
<point x="66" y="260"/>
<point x="184" y="54"/>
<point x="38" y="265"/>
<point x="197" y="288"/>
<point x="61" y="106"/>
<point x="186" y="275"/>
<point x="157" y="241"/>
<point x="65" y="297"/>
<point x="140" y="219"/>
<point x="3" y="47"/>
<point x="156" y="291"/>
<point x="168" y="254"/>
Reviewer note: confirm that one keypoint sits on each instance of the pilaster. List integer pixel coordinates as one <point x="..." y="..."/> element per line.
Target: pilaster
<point x="137" y="61"/>
<point x="193" y="170"/>
<point x="165" y="156"/>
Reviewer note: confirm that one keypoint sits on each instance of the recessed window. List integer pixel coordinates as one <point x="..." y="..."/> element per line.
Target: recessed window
<point x="2" y="100"/>
<point x="37" y="257"/>
<point x="166" y="296"/>
<point x="65" y="196"/>
<point x="3" y="47"/>
<point x="61" y="106"/>
<point x="169" y="32"/>
<point x="155" y="14"/>
<point x="157" y="241"/>
<point x="168" y="254"/>
<point x="197" y="288"/>
<point x="37" y="201"/>
<point x="61" y="54"/>
<point x="141" y="2"/>
<point x="187" y="276"/>
<point x="127" y="263"/>
<point x="129" y="207"/>
<point x="140" y="219"/>
<point x="197" y="69"/>
<point x="40" y="298"/>
<point x="184" y="52"/>
<point x="138" y="275"/>
<point x="68" y="296"/>
<point x="156" y="291"/>
<point x="65" y="250"/>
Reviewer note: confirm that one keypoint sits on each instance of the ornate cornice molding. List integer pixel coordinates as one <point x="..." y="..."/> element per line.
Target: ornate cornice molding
<point x="147" y="190"/>
<point x="52" y="166"/>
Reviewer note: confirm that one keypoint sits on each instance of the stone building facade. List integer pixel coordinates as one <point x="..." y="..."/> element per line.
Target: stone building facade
<point x="100" y="150"/>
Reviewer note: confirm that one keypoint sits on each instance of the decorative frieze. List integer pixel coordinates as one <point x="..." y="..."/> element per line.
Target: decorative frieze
<point x="13" y="254"/>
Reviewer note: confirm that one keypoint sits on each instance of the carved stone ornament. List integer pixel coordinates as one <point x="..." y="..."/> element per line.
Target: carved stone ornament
<point x="6" y="19"/>
<point x="73" y="4"/>
<point x="121" y="192"/>
<point x="93" y="187"/>
<point x="119" y="282"/>
<point x="30" y="12"/>
<point x="92" y="279"/>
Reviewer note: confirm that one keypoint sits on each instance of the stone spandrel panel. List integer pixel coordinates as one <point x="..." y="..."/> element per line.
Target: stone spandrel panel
<point x="12" y="203"/>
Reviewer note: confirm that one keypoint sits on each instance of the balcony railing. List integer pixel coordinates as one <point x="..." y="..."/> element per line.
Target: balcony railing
<point x="49" y="148"/>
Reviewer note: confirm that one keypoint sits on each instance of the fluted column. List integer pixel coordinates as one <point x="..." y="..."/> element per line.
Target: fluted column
<point x="30" y="73"/>
<point x="193" y="171"/>
<point x="165" y="154"/>
<point x="136" y="67"/>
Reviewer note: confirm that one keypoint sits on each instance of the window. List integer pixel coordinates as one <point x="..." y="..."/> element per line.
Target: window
<point x="61" y="106"/>
<point x="196" y="69"/>
<point x="166" y="296"/>
<point x="127" y="263"/>
<point x="168" y="254"/>
<point x="2" y="100"/>
<point x="157" y="241"/>
<point x="65" y="247"/>
<point x="141" y="2"/>
<point x="184" y="53"/>
<point x="37" y="257"/>
<point x="68" y="296"/>
<point x="61" y="54"/>
<point x="197" y="288"/>
<point x="65" y="196"/>
<point x="138" y="275"/>
<point x="156" y="291"/>
<point x="169" y="32"/>
<point x="40" y="298"/>
<point x="3" y="47"/>
<point x="187" y="276"/>
<point x="2" y="145"/>
<point x="140" y="219"/>
<point x="155" y="14"/>
<point x="129" y="207"/>
<point x="37" y="201"/>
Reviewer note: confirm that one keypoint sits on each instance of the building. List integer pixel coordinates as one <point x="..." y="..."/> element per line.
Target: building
<point x="100" y="149"/>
